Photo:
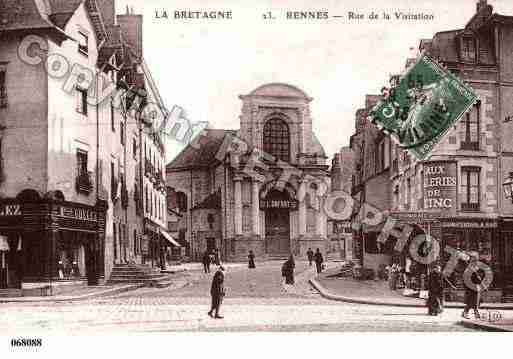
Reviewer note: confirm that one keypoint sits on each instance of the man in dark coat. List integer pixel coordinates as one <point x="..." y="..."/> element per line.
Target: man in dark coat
<point x="318" y="260"/>
<point x="251" y="260"/>
<point x="206" y="262"/>
<point x="473" y="290"/>
<point x="217" y="292"/>
<point x="435" y="287"/>
<point x="310" y="255"/>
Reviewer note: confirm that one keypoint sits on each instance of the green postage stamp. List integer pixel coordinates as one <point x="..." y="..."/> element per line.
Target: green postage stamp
<point x="421" y="107"/>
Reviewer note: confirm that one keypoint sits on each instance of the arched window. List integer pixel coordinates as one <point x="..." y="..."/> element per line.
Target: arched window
<point x="181" y="199"/>
<point x="277" y="139"/>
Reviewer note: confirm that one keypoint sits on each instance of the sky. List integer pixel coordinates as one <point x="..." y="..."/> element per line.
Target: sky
<point x="204" y="65"/>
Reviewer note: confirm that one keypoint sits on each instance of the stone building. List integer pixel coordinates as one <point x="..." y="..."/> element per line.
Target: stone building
<point x="456" y="195"/>
<point x="340" y="231"/>
<point x="70" y="153"/>
<point x="234" y="199"/>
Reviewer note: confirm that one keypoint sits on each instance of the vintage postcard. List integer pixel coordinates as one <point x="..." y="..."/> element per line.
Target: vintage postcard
<point x="280" y="166"/>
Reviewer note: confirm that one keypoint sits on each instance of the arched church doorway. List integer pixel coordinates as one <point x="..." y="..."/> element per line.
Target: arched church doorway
<point x="277" y="206"/>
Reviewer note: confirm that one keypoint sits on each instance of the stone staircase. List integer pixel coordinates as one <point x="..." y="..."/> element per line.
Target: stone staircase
<point x="138" y="273"/>
<point x="9" y="293"/>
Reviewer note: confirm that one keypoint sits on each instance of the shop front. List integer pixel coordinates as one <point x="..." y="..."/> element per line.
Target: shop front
<point x="47" y="241"/>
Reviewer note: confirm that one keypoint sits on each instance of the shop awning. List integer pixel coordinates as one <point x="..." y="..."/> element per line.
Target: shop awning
<point x="170" y="239"/>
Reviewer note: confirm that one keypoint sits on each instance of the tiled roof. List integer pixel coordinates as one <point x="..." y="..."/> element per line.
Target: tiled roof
<point x="204" y="155"/>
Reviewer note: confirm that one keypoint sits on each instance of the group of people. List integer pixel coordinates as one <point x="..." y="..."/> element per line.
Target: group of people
<point x="473" y="290"/>
<point x="317" y="258"/>
<point x="210" y="257"/>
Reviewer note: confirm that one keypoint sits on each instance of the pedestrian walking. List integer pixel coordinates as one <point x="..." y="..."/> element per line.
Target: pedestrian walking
<point x="251" y="260"/>
<point x="206" y="262"/>
<point x="310" y="255"/>
<point x="287" y="270"/>
<point x="473" y="288"/>
<point x="217" y="292"/>
<point x="436" y="289"/>
<point x="319" y="260"/>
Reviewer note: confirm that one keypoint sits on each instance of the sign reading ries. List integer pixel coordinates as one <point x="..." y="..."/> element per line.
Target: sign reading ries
<point x="440" y="185"/>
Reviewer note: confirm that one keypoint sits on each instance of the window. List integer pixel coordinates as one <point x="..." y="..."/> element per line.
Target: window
<point x="468" y="49"/>
<point x="277" y="139"/>
<point x="112" y="117"/>
<point x="81" y="163"/>
<point x="135" y="242"/>
<point x="83" y="43"/>
<point x="470" y="188"/>
<point x="114" y="241"/>
<point x="3" y="88"/>
<point x="82" y="101"/>
<point x="471" y="123"/>
<point x="408" y="194"/>
<point x="246" y="219"/>
<point x="181" y="199"/>
<point x="122" y="132"/>
<point x="134" y="147"/>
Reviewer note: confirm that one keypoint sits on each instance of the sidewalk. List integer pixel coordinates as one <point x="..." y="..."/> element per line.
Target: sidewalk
<point x="498" y="326"/>
<point x="349" y="290"/>
<point x="83" y="293"/>
<point x="191" y="266"/>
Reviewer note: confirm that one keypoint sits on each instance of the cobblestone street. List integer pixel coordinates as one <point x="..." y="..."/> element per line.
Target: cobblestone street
<point x="256" y="301"/>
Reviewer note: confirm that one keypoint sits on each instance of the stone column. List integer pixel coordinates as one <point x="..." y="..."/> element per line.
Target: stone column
<point x="321" y="223"/>
<point x="238" y="205"/>
<point x="255" y="206"/>
<point x="302" y="208"/>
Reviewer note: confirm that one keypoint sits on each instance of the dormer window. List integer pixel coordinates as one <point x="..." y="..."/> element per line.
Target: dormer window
<point x="468" y="49"/>
<point x="83" y="43"/>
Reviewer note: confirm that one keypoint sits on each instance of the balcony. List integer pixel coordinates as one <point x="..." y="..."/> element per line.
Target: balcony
<point x="84" y="183"/>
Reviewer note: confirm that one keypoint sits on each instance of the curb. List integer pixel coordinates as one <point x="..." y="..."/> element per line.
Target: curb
<point x="483" y="326"/>
<point x="328" y="295"/>
<point x="93" y="295"/>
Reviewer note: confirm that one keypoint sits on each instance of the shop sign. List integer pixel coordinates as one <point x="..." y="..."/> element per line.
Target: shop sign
<point x="278" y="204"/>
<point x="10" y="210"/>
<point x="470" y="224"/>
<point x="415" y="217"/>
<point x="83" y="214"/>
<point x="440" y="186"/>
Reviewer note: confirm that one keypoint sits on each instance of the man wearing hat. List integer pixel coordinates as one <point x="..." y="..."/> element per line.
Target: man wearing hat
<point x="217" y="292"/>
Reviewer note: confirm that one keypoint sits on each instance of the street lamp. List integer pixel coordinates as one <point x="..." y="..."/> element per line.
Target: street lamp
<point x="508" y="187"/>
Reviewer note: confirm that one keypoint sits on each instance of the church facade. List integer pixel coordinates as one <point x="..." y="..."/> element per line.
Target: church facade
<point x="259" y="188"/>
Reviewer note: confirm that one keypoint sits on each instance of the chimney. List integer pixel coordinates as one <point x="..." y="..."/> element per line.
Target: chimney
<point x="132" y="27"/>
<point x="108" y="11"/>
<point x="481" y="4"/>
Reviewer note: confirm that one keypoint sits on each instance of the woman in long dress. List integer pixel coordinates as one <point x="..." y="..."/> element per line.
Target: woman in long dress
<point x="288" y="270"/>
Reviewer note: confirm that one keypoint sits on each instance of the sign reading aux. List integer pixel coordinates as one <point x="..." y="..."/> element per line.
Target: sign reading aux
<point x="440" y="182"/>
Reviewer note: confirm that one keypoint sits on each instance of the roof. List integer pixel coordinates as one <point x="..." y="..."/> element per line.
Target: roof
<point x="204" y="154"/>
<point x="22" y="14"/>
<point x="37" y="14"/>
<point x="278" y="89"/>
<point x="213" y="201"/>
<point x="444" y="47"/>
<point x="317" y="147"/>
